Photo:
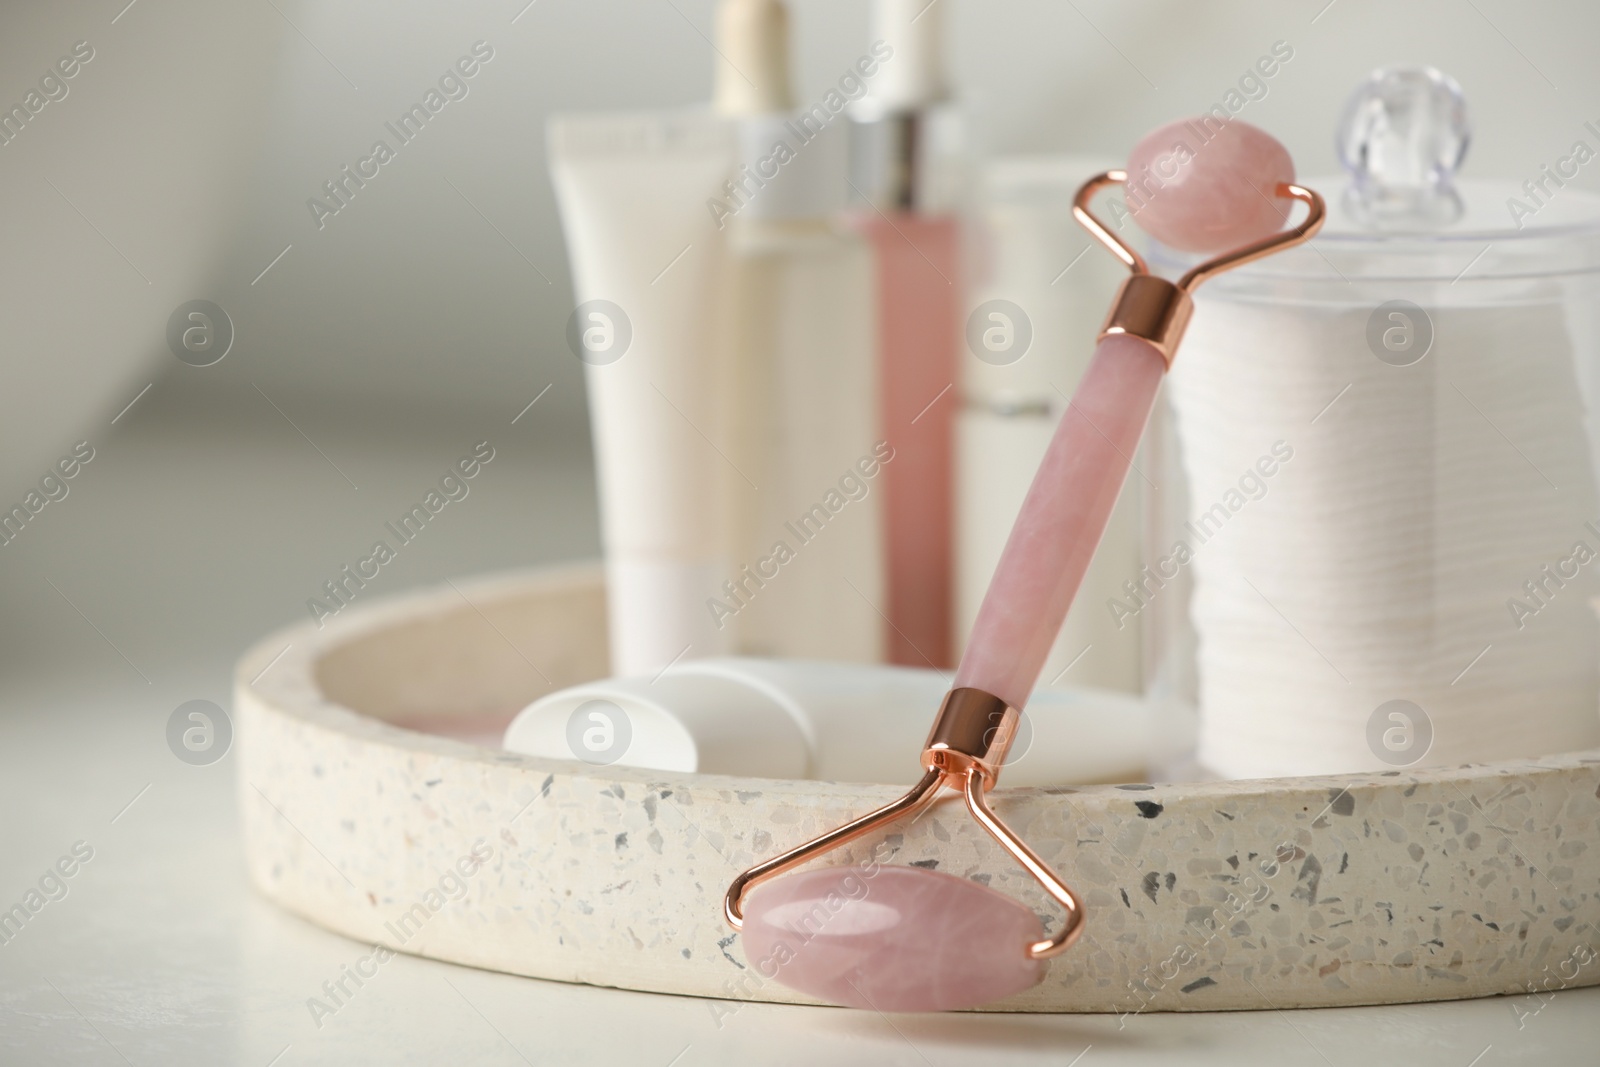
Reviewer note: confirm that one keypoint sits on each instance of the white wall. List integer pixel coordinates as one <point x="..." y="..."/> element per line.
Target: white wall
<point x="195" y="137"/>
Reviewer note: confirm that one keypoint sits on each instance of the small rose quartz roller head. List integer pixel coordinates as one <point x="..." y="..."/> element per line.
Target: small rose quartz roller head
<point x="909" y="939"/>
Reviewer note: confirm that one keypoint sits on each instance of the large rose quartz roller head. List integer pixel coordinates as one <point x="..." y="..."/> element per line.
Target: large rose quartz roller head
<point x="909" y="939"/>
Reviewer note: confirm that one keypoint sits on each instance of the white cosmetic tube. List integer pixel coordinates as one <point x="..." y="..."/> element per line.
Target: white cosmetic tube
<point x="647" y="265"/>
<point x="842" y="722"/>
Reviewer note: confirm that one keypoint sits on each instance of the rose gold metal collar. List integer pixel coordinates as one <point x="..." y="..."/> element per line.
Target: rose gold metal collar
<point x="965" y="751"/>
<point x="1149" y="306"/>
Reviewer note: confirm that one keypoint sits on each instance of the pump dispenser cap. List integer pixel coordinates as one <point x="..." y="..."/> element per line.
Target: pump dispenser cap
<point x="912" y="77"/>
<point x="904" y="133"/>
<point x="753" y="58"/>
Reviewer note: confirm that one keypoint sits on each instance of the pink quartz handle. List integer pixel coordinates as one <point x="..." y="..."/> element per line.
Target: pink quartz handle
<point x="1062" y="519"/>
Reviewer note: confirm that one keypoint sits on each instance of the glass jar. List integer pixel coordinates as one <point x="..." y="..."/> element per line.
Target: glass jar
<point x="1376" y="541"/>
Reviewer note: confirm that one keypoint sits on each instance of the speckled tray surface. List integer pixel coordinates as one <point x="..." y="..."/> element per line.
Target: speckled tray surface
<point x="1373" y="888"/>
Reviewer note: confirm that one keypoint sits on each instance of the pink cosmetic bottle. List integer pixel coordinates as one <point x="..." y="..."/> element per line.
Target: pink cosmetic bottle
<point x="899" y="134"/>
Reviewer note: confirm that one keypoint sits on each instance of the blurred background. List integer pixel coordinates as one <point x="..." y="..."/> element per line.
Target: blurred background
<point x="372" y="348"/>
<point x="431" y="311"/>
<point x="426" y="315"/>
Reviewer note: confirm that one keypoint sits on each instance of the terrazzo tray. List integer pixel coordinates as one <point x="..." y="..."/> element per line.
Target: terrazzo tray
<point x="1373" y="888"/>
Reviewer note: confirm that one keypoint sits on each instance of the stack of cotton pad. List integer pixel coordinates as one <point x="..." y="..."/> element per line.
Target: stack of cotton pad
<point x="1384" y="557"/>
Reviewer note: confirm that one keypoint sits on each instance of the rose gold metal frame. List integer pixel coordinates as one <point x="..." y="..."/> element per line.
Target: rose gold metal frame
<point x="924" y="793"/>
<point x="1030" y="862"/>
<point x="965" y="750"/>
<point x="1152" y="308"/>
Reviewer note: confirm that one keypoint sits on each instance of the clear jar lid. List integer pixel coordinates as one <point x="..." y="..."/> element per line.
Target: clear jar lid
<point x="1403" y="215"/>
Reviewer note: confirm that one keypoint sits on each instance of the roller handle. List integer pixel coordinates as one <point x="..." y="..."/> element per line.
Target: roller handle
<point x="1062" y="519"/>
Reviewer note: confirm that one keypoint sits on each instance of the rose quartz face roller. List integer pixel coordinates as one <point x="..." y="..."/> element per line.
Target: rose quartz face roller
<point x="908" y="939"/>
